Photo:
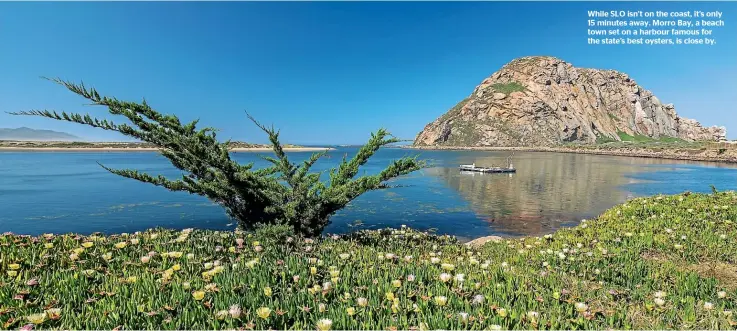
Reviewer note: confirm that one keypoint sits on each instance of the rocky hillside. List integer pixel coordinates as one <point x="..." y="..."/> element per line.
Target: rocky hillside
<point x="544" y="101"/>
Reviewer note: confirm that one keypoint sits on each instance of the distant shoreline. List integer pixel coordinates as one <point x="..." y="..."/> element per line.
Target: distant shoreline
<point x="729" y="156"/>
<point x="148" y="149"/>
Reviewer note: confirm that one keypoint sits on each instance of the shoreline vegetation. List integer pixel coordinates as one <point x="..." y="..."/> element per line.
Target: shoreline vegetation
<point x="662" y="262"/>
<point x="694" y="151"/>
<point x="62" y="146"/>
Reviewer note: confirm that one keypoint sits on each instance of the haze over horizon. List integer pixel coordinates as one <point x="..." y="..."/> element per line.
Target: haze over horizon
<point x="327" y="72"/>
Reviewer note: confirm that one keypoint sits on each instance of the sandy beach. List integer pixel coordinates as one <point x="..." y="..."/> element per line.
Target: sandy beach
<point x="147" y="149"/>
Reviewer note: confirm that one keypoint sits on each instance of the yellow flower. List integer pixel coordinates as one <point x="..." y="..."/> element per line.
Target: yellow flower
<point x="447" y="266"/>
<point x="256" y="243"/>
<point x="397" y="283"/>
<point x="88" y="244"/>
<point x="78" y="250"/>
<point x="502" y="312"/>
<point x="176" y="267"/>
<point x="176" y="254"/>
<point x="132" y="279"/>
<point x="267" y="291"/>
<point x="231" y="249"/>
<point x="441" y="300"/>
<point x="36" y="318"/>
<point x="351" y="311"/>
<point x="14" y="266"/>
<point x="12" y="273"/>
<point x="121" y="244"/>
<point x="313" y="270"/>
<point x="390" y="296"/>
<point x="198" y="295"/>
<point x="263" y="312"/>
<point x="107" y="256"/>
<point x="48" y="245"/>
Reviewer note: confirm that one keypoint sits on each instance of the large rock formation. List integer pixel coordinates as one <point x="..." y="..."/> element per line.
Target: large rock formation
<point x="544" y="101"/>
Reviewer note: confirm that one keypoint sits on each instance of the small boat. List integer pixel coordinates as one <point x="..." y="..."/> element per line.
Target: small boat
<point x="473" y="167"/>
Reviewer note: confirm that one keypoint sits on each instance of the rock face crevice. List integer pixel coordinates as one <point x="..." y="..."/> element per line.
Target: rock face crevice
<point x="544" y="101"/>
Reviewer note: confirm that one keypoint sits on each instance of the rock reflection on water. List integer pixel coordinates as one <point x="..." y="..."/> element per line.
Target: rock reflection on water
<point x="548" y="191"/>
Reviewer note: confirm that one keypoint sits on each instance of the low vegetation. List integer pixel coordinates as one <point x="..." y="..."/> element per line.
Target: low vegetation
<point x="665" y="262"/>
<point x="508" y="88"/>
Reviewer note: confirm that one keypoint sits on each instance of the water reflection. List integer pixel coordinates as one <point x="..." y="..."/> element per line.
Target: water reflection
<point x="549" y="190"/>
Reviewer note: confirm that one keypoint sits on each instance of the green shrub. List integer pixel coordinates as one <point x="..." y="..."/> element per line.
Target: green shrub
<point x="284" y="193"/>
<point x="508" y="88"/>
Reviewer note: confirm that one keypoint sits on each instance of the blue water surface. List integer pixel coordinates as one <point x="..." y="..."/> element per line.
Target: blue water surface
<point x="61" y="192"/>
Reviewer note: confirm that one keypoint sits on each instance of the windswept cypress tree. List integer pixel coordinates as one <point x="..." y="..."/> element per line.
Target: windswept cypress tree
<point x="283" y="193"/>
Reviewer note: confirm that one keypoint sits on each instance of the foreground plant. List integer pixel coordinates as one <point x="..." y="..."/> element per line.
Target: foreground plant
<point x="284" y="193"/>
<point x="666" y="262"/>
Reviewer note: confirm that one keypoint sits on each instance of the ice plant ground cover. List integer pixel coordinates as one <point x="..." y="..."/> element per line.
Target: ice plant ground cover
<point x="651" y="263"/>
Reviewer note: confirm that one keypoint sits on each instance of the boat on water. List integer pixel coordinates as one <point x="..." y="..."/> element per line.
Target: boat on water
<point x="472" y="167"/>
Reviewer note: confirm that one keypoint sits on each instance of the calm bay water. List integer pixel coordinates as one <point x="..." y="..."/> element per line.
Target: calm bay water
<point x="60" y="192"/>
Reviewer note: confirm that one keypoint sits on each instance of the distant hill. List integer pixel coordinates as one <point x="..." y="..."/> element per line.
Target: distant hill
<point x="28" y="134"/>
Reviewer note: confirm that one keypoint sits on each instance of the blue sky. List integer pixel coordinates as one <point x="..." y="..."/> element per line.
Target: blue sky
<point x="328" y="72"/>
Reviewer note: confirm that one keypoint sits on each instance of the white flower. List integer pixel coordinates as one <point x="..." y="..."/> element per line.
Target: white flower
<point x="445" y="277"/>
<point x="464" y="316"/>
<point x="659" y="301"/>
<point x="235" y="311"/>
<point x="722" y="294"/>
<point x="344" y="256"/>
<point x="324" y="324"/>
<point x="660" y="294"/>
<point x="495" y="327"/>
<point x="460" y="277"/>
<point x="434" y="260"/>
<point x="410" y="278"/>
<point x="478" y="299"/>
<point x="708" y="305"/>
<point x="723" y="236"/>
<point x="581" y="307"/>
<point x="532" y="315"/>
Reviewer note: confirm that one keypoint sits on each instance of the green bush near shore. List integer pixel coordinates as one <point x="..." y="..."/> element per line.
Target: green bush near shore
<point x="664" y="262"/>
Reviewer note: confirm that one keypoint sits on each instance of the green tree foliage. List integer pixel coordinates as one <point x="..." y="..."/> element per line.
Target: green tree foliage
<point x="283" y="193"/>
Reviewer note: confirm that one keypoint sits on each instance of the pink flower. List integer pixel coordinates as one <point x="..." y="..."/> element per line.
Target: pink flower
<point x="239" y="242"/>
<point x="27" y="327"/>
